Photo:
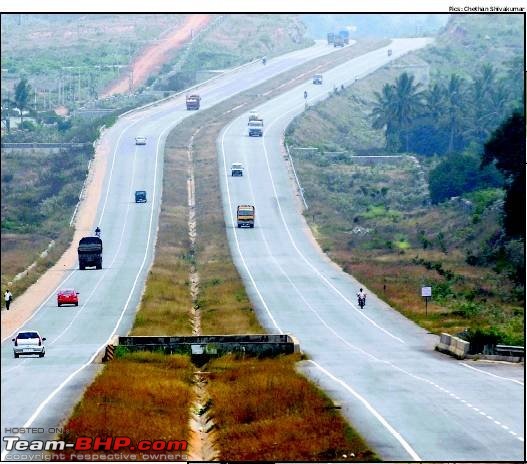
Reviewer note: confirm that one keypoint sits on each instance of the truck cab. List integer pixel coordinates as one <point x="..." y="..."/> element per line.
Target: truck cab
<point x="245" y="216"/>
<point x="253" y="116"/>
<point x="236" y="170"/>
<point x="140" y="196"/>
<point x="317" y="79"/>
<point x="339" y="41"/>
<point x="256" y="128"/>
<point x="193" y="102"/>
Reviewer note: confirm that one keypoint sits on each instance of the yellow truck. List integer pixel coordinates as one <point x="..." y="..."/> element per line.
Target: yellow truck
<point x="245" y="216"/>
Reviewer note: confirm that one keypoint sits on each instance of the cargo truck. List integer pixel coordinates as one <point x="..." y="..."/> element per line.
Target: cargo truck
<point x="339" y="42"/>
<point x="90" y="252"/>
<point x="245" y="216"/>
<point x="256" y="128"/>
<point x="345" y="36"/>
<point x="193" y="102"/>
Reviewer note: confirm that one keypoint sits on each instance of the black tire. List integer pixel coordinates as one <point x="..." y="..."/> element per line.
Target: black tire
<point x="239" y="226"/>
<point x="82" y="267"/>
<point x="41" y="355"/>
<point x="58" y="304"/>
<point x="76" y="304"/>
<point x="252" y="226"/>
<point x="16" y="355"/>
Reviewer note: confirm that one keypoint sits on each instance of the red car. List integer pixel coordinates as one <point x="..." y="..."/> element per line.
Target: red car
<point x="68" y="296"/>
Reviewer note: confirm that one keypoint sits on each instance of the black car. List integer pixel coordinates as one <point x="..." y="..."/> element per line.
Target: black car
<point x="140" y="196"/>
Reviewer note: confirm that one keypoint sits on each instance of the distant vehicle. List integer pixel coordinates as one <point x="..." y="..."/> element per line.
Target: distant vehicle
<point x="264" y="60"/>
<point x="236" y="170"/>
<point x="67" y="296"/>
<point x="331" y="38"/>
<point x="317" y="79"/>
<point x="140" y="196"/>
<point x="193" y="102"/>
<point x="140" y="140"/>
<point x="256" y="128"/>
<point x="344" y="34"/>
<point x="338" y="42"/>
<point x="389" y="52"/>
<point x="253" y="116"/>
<point x="28" y="342"/>
<point x="245" y="216"/>
<point x="90" y="253"/>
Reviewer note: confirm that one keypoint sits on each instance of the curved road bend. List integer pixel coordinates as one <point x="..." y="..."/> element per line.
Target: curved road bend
<point x="41" y="392"/>
<point x="408" y="401"/>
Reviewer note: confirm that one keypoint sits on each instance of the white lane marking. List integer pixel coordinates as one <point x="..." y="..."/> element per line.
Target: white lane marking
<point x="372" y="410"/>
<point x="116" y="254"/>
<point x="276" y="196"/>
<point x="235" y="235"/>
<point x="321" y="276"/>
<point x="44" y="403"/>
<point x="492" y="375"/>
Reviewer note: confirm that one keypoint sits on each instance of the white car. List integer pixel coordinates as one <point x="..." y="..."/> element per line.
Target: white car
<point x="28" y="342"/>
<point x="140" y="140"/>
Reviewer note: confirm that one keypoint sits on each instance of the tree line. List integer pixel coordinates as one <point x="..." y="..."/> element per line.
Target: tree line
<point x="449" y="116"/>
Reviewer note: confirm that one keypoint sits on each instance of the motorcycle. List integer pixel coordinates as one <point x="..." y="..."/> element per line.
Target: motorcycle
<point x="362" y="302"/>
<point x="264" y="60"/>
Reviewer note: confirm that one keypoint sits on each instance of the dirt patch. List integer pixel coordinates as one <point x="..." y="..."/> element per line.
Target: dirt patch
<point x="154" y="56"/>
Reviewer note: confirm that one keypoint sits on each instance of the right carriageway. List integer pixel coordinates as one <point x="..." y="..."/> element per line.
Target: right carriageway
<point x="409" y="402"/>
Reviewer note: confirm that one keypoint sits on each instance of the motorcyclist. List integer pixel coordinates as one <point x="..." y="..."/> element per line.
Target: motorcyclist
<point x="361" y="297"/>
<point x="305" y="94"/>
<point x="264" y="60"/>
<point x="98" y="231"/>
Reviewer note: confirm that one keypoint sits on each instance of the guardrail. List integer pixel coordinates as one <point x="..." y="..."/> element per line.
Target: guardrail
<point x="45" y="145"/>
<point x="212" y="345"/>
<point x="510" y="350"/>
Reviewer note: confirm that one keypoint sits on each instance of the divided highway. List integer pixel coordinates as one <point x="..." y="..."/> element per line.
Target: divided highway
<point x="409" y="402"/>
<point x="40" y="392"/>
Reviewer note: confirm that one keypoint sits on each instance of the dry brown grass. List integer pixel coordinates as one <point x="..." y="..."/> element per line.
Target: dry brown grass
<point x="266" y="411"/>
<point x="152" y="405"/>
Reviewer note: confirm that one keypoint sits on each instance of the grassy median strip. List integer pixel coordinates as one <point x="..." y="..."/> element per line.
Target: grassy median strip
<point x="142" y="396"/>
<point x="263" y="409"/>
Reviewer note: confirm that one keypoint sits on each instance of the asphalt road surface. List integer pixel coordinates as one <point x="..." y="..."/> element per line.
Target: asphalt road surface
<point x="409" y="402"/>
<point x="40" y="392"/>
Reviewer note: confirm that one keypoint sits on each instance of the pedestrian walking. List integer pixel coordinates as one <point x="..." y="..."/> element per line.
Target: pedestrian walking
<point x="8" y="297"/>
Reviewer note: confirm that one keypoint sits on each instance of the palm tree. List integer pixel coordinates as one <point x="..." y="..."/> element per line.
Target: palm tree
<point x="435" y="102"/>
<point x="383" y="115"/>
<point x="455" y="104"/>
<point x="408" y="102"/>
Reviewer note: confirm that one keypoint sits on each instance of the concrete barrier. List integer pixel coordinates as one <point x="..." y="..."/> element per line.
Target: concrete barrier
<point x="453" y="346"/>
<point x="214" y="345"/>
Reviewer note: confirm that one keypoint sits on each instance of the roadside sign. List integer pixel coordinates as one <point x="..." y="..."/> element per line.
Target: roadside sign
<point x="426" y="291"/>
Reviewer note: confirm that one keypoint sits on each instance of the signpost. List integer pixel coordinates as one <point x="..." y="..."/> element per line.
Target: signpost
<point x="426" y="293"/>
